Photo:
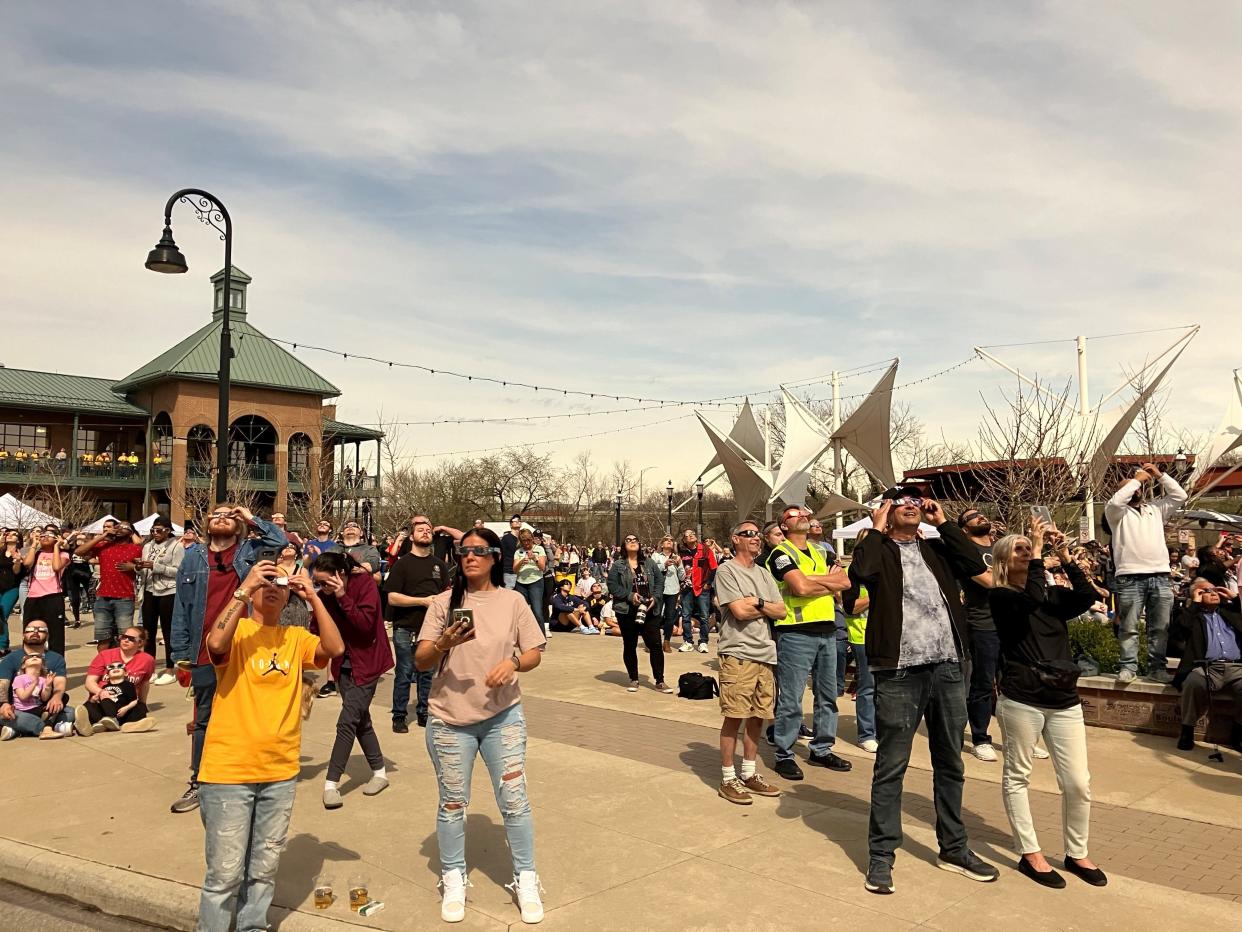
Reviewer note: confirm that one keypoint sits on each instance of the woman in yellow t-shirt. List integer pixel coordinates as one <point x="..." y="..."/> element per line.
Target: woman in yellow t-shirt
<point x="250" y="757"/>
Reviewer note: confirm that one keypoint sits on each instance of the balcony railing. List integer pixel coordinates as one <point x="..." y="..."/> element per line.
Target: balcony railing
<point x="46" y="472"/>
<point x="247" y="472"/>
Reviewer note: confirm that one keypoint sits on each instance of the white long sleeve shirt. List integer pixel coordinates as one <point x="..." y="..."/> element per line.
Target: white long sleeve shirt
<point x="1138" y="533"/>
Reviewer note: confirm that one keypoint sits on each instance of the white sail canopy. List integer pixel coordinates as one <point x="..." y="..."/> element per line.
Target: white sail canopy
<point x="1226" y="439"/>
<point x="866" y="433"/>
<point x="750" y="480"/>
<point x="807" y="438"/>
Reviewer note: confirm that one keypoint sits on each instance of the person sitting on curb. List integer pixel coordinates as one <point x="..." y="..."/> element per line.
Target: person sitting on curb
<point x="105" y="694"/>
<point x="570" y="612"/>
<point x="58" y="722"/>
<point x="1211" y="660"/>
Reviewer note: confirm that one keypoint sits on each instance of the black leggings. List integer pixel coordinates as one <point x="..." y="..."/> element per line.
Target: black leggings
<point x="77" y="586"/>
<point x="158" y="609"/>
<point x="107" y="708"/>
<point x="649" y="631"/>
<point x="354" y="722"/>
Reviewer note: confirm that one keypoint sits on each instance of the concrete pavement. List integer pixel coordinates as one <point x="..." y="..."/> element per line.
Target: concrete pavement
<point x="629" y="830"/>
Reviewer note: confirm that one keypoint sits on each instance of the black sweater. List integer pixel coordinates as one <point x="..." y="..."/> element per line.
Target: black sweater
<point x="1032" y="625"/>
<point x="877" y="565"/>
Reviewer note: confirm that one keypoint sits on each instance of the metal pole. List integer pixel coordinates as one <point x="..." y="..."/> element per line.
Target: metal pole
<point x="767" y="465"/>
<point x="226" y="359"/>
<point x="1084" y="413"/>
<point x="700" y="508"/>
<point x="618" y="522"/>
<point x="838" y="484"/>
<point x="670" y="510"/>
<point x="146" y="480"/>
<point x="357" y="467"/>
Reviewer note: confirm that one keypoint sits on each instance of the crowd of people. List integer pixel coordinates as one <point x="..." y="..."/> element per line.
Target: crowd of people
<point x="951" y="630"/>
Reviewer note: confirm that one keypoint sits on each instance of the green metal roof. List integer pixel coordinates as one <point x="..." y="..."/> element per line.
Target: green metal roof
<point x="26" y="388"/>
<point x="256" y="361"/>
<point x="339" y="430"/>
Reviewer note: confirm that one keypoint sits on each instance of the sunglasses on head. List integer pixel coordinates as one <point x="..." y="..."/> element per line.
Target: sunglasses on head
<point x="479" y="551"/>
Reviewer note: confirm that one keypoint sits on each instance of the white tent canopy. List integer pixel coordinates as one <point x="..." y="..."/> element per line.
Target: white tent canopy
<point x="17" y="514"/>
<point x="143" y="527"/>
<point x="851" y="531"/>
<point x="1226" y="439"/>
<point x="96" y="526"/>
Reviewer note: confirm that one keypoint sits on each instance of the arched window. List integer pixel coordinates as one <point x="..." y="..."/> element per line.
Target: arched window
<point x="162" y="437"/>
<point x="299" y="454"/>
<point x="201" y="444"/>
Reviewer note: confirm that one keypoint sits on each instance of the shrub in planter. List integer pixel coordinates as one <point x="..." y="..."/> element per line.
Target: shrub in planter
<point x="1099" y="643"/>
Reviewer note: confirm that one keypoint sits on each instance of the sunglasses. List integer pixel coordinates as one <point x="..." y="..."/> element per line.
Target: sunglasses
<point x="221" y="514"/>
<point x="749" y="533"/>
<point x="128" y="637"/>
<point x="631" y="540"/>
<point x="477" y="551"/>
<point x="35" y="631"/>
<point x="907" y="500"/>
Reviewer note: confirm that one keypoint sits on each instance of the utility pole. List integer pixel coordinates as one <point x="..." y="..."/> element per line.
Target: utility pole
<point x="837" y="484"/>
<point x="1084" y="413"/>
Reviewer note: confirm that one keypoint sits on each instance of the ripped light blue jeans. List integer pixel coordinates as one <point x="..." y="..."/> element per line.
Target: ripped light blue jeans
<point x="501" y="740"/>
<point x="246" y="827"/>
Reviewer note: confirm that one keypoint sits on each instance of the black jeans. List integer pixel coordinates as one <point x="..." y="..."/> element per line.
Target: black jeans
<point x="107" y="708"/>
<point x="649" y="631"/>
<point x="78" y="580"/>
<point x="49" y="609"/>
<point x="671" y="613"/>
<point x="203" y="679"/>
<point x="904" y="698"/>
<point x="980" y="702"/>
<point x="354" y="722"/>
<point x="157" y="610"/>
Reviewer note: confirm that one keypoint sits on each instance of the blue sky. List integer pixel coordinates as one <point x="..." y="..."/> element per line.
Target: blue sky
<point x="683" y="200"/>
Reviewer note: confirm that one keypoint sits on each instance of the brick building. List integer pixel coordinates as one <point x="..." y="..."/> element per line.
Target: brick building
<point x="146" y="442"/>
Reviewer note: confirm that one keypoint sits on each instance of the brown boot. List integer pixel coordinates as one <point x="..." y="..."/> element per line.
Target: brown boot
<point x="668" y="647"/>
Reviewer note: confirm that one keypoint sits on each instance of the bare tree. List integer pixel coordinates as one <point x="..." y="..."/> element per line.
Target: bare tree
<point x="48" y="490"/>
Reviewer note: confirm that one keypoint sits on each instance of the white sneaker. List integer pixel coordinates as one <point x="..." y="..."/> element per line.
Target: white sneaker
<point x="986" y="752"/>
<point x="453" y="902"/>
<point x="870" y="745"/>
<point x="702" y="647"/>
<point x="7" y="733"/>
<point x="164" y="679"/>
<point x="1039" y="753"/>
<point x="527" y="888"/>
<point x="685" y="648"/>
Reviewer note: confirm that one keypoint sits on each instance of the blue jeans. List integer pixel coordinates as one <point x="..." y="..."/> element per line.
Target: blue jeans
<point x="669" y="612"/>
<point x="695" y="606"/>
<point x="903" y="699"/>
<point x="501" y="740"/>
<point x="532" y="592"/>
<point x="405" y="674"/>
<point x="984" y="657"/>
<point x="8" y="599"/>
<point x="864" y="699"/>
<point x="112" y="616"/>
<point x="1152" y="594"/>
<point x="797" y="656"/>
<point x="29" y="725"/>
<point x="203" y="679"/>
<point x="246" y="826"/>
<point x="843" y="660"/>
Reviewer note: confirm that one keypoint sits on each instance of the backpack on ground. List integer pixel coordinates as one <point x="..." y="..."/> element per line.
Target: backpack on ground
<point x="697" y="686"/>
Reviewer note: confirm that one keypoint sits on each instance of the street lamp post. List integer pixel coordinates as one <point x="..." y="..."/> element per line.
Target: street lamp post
<point x="669" y="489"/>
<point x="167" y="258"/>
<point x="698" y="491"/>
<point x="617" y="500"/>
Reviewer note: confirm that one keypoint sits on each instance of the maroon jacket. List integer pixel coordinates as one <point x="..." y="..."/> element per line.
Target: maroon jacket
<point x="357" y="614"/>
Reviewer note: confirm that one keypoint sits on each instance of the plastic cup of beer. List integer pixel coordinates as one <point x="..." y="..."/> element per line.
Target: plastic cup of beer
<point x="358" y="894"/>
<point x="323" y="893"/>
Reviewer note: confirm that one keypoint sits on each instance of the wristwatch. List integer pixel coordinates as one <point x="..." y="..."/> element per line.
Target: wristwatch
<point x="241" y="595"/>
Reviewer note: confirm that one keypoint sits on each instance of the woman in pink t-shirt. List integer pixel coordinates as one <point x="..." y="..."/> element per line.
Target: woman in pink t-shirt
<point x="45" y="600"/>
<point x="478" y="637"/>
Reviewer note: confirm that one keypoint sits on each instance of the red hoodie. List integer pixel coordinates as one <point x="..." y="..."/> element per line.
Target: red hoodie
<point x="700" y="565"/>
<point x="357" y="614"/>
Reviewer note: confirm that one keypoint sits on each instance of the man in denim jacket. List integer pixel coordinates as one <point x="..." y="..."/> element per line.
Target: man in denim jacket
<point x="207" y="582"/>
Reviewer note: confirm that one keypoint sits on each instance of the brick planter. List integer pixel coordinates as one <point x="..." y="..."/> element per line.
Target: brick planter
<point x="1148" y="708"/>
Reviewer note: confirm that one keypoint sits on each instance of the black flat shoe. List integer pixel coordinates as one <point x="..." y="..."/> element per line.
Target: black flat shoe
<point x="1049" y="878"/>
<point x="788" y="769"/>
<point x="1092" y="875"/>
<point x="831" y="761"/>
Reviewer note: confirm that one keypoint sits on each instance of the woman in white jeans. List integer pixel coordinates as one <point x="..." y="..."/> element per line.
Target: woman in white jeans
<point x="1039" y="696"/>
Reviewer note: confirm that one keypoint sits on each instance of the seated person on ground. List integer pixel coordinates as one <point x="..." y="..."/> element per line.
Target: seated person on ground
<point x="570" y="612"/>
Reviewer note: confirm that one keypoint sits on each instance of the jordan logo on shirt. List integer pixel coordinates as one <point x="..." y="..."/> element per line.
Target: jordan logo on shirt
<point x="271" y="666"/>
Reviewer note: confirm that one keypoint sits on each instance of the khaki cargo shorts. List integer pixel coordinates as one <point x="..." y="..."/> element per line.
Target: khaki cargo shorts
<point x="747" y="688"/>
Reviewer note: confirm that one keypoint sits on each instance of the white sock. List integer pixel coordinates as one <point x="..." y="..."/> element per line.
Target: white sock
<point x="728" y="774"/>
<point x="329" y="785"/>
<point x="382" y="773"/>
<point x="748" y="769"/>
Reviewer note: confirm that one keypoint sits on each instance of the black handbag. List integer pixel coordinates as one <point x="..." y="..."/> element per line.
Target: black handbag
<point x="1057" y="674"/>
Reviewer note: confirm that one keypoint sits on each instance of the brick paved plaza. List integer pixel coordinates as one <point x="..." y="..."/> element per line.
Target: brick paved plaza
<point x="629" y="830"/>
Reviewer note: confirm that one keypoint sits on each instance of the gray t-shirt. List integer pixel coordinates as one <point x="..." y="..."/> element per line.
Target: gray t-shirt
<point x="926" y="629"/>
<point x="746" y="640"/>
<point x="365" y="553"/>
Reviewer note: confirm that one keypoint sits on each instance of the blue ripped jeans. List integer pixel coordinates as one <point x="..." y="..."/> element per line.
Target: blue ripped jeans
<point x="246" y="825"/>
<point x="501" y="740"/>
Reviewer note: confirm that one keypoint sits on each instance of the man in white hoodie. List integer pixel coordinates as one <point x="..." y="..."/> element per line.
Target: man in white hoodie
<point x="1141" y="567"/>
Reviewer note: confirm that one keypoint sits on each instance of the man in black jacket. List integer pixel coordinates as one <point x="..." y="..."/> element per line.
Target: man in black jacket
<point x="916" y="637"/>
<point x="1211" y="660"/>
